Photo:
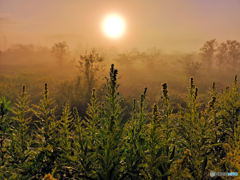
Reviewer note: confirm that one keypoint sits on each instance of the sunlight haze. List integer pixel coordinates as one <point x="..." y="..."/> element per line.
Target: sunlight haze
<point x="178" y="25"/>
<point x="113" y="26"/>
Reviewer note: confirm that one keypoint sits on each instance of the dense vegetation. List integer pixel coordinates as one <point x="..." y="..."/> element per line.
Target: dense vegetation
<point x="89" y="127"/>
<point x="113" y="142"/>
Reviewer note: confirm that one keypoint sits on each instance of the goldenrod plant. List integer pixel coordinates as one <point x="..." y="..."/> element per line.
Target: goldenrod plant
<point x="112" y="141"/>
<point x="5" y="108"/>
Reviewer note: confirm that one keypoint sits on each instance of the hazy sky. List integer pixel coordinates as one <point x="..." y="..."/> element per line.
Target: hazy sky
<point x="172" y="25"/>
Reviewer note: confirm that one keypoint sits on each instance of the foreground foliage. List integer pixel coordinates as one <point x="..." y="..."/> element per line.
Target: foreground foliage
<point x="106" y="144"/>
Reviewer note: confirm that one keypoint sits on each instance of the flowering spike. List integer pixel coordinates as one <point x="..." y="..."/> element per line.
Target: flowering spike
<point x="46" y="91"/>
<point x="196" y="93"/>
<point x="213" y="86"/>
<point x="23" y="91"/>
<point x="165" y="90"/>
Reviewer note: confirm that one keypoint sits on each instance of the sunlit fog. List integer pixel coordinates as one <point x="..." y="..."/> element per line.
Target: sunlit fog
<point x="119" y="89"/>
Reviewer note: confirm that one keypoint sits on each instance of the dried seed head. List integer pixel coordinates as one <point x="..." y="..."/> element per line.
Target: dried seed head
<point x="93" y="93"/>
<point x="113" y="75"/>
<point x="46" y="91"/>
<point x="196" y="93"/>
<point x="23" y="91"/>
<point x="213" y="86"/>
<point x="191" y="83"/>
<point x="165" y="90"/>
<point x="145" y="91"/>
<point x="192" y="86"/>
<point x="212" y="102"/>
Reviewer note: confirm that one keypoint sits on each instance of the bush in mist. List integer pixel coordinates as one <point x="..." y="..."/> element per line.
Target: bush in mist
<point x="60" y="51"/>
<point x="221" y="54"/>
<point x="34" y="65"/>
<point x="89" y="66"/>
<point x="207" y="53"/>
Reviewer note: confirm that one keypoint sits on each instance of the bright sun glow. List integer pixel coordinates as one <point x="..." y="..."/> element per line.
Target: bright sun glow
<point x="113" y="26"/>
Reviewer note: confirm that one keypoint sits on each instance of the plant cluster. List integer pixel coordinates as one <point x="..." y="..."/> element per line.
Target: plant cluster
<point x="36" y="143"/>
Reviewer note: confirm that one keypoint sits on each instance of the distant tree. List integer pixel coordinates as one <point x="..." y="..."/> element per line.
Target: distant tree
<point x="207" y="52"/>
<point x="60" y="51"/>
<point x="229" y="53"/>
<point x="89" y="65"/>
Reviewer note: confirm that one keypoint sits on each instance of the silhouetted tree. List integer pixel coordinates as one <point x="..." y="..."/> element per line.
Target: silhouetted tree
<point x="207" y="52"/>
<point x="229" y="53"/>
<point x="60" y="51"/>
<point x="89" y="65"/>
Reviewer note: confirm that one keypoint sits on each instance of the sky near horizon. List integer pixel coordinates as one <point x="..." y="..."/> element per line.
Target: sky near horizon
<point x="171" y="25"/>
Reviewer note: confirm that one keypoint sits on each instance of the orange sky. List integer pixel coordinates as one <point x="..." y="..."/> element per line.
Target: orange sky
<point x="171" y="25"/>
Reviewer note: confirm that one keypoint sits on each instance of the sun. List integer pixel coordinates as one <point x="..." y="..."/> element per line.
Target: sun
<point x="113" y="26"/>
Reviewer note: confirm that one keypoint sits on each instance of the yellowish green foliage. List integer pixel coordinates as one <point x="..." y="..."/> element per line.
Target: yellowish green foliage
<point x="113" y="141"/>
